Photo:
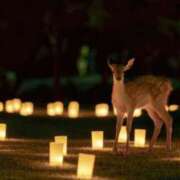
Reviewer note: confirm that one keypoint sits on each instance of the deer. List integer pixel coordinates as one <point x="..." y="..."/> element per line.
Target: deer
<point x="147" y="92"/>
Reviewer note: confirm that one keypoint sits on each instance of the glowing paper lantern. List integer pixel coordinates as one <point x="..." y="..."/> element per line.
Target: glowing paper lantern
<point x="73" y="109"/>
<point x="62" y="140"/>
<point x="59" y="108"/>
<point x="85" y="166"/>
<point x="51" y="110"/>
<point x="137" y="113"/>
<point x="173" y="107"/>
<point x="27" y="109"/>
<point x="9" y="106"/>
<point x="140" y="137"/>
<point x="102" y="110"/>
<point x="55" y="154"/>
<point x="97" y="139"/>
<point x="1" y="107"/>
<point x="16" y="105"/>
<point x="2" y="131"/>
<point x="123" y="135"/>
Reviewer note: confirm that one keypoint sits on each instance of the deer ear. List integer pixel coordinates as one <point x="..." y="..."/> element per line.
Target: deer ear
<point x="129" y="64"/>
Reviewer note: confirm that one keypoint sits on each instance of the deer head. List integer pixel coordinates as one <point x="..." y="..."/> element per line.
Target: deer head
<point x="119" y="69"/>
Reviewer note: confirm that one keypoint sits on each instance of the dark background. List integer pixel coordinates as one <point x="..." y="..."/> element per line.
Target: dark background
<point x="148" y="29"/>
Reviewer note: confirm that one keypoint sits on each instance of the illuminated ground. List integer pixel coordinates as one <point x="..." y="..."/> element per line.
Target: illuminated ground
<point x="28" y="159"/>
<point x="25" y="154"/>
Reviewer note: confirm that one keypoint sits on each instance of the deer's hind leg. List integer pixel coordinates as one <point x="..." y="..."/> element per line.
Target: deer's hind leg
<point x="165" y="116"/>
<point x="157" y="126"/>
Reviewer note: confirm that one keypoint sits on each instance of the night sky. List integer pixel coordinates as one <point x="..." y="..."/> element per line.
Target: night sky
<point x="146" y="27"/>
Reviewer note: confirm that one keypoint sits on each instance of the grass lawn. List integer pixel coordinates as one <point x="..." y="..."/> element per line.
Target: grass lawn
<point x="25" y="154"/>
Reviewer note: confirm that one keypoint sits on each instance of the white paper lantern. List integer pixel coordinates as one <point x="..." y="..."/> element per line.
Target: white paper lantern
<point x="9" y="106"/>
<point x="173" y="108"/>
<point x="51" y="110"/>
<point x="102" y="110"/>
<point x="59" y="107"/>
<point x="97" y="139"/>
<point x="2" y="131"/>
<point x="27" y="109"/>
<point x="16" y="104"/>
<point x="62" y="140"/>
<point x="55" y="154"/>
<point x="85" y="166"/>
<point x="140" y="137"/>
<point x="73" y="109"/>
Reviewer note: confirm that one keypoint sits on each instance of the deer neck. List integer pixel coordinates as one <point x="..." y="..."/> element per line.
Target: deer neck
<point x="118" y="84"/>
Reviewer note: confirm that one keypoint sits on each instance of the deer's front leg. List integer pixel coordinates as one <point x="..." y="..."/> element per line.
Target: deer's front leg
<point x="129" y="127"/>
<point x="119" y="123"/>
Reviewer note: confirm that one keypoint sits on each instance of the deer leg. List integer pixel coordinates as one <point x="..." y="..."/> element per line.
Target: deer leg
<point x="165" y="116"/>
<point x="119" y="123"/>
<point x="129" y="127"/>
<point x="157" y="127"/>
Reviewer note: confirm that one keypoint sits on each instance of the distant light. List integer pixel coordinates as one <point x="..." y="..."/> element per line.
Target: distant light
<point x="27" y="109"/>
<point x="102" y="110"/>
<point x="73" y="109"/>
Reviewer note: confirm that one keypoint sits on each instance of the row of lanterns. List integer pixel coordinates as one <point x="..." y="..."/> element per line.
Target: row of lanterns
<point x="57" y="108"/>
<point x="58" y="149"/>
<point x="17" y="106"/>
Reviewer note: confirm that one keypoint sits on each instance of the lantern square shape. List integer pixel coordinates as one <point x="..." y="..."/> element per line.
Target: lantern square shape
<point x="97" y="139"/>
<point x="102" y="110"/>
<point x="2" y="131"/>
<point x="73" y="109"/>
<point x="62" y="140"/>
<point x="139" y="137"/>
<point x="123" y="135"/>
<point x="85" y="166"/>
<point x="55" y="154"/>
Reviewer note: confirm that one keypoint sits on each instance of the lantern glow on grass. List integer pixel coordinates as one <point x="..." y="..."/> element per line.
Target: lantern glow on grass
<point x="97" y="139"/>
<point x="1" y="106"/>
<point x="123" y="135"/>
<point x="2" y="131"/>
<point x="139" y="137"/>
<point x="85" y="166"/>
<point x="62" y="140"/>
<point x="27" y="109"/>
<point x="73" y="109"/>
<point x="101" y="110"/>
<point x="56" y="154"/>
